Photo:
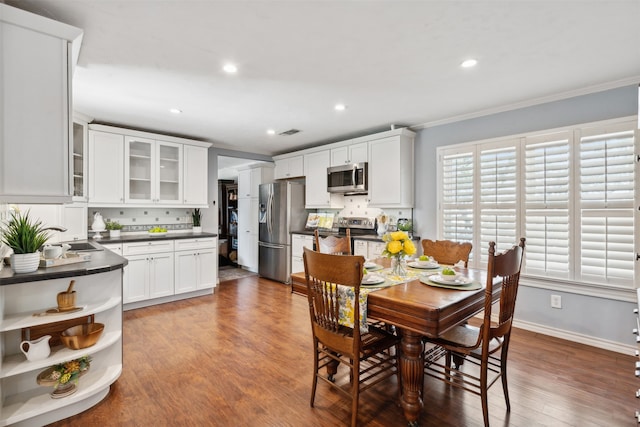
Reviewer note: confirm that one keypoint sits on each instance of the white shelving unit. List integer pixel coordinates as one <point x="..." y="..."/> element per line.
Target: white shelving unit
<point x="24" y="402"/>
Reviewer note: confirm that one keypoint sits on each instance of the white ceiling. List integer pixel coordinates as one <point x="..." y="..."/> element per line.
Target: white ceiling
<point x="390" y="62"/>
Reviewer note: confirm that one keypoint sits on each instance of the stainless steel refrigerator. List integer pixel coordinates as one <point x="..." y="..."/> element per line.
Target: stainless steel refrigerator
<point x="281" y="212"/>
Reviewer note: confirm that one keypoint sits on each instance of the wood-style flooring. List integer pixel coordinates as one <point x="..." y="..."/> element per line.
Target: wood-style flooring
<point x="243" y="357"/>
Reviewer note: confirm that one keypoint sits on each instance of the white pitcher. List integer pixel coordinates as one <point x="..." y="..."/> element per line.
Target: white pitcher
<point x="37" y="349"/>
<point x="98" y="222"/>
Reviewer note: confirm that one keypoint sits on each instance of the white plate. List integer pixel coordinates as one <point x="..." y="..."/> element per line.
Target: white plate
<point x="372" y="279"/>
<point x="370" y="264"/>
<point x="461" y="280"/>
<point x="428" y="265"/>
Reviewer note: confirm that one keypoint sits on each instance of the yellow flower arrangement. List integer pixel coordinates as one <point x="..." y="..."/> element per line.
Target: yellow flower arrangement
<point x="398" y="244"/>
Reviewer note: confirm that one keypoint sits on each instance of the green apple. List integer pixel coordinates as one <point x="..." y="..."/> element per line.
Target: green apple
<point x="423" y="258"/>
<point x="448" y="272"/>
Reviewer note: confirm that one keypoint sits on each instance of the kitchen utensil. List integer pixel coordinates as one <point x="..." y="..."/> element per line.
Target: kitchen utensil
<point x="81" y="336"/>
<point x="51" y="252"/>
<point x="67" y="299"/>
<point x="37" y="349"/>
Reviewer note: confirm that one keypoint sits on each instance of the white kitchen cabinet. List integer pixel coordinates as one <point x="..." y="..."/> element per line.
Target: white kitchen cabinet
<point x="298" y="242"/>
<point x="196" y="175"/>
<point x="248" y="233"/>
<point x="391" y="177"/>
<point x="37" y="57"/>
<point x="249" y="180"/>
<point x="195" y="264"/>
<point x="316" y="194"/>
<point x="79" y="162"/>
<point x="106" y="168"/>
<point x="152" y="171"/>
<point x="74" y="219"/>
<point x="24" y="402"/>
<point x="354" y="153"/>
<point x="289" y="167"/>
<point x="150" y="270"/>
<point x="360" y="247"/>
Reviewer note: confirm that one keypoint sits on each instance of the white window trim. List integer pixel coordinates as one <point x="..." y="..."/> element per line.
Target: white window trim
<point x="582" y="288"/>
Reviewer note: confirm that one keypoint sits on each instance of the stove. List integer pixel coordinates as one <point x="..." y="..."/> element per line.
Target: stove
<point x="357" y="225"/>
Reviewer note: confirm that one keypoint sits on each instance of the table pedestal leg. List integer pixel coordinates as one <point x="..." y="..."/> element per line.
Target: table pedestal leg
<point x="412" y="371"/>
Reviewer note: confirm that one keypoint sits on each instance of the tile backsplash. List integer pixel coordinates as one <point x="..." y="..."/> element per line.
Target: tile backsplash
<point x="142" y="219"/>
<point x="357" y="206"/>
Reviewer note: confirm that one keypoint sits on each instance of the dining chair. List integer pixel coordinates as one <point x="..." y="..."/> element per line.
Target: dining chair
<point x="485" y="347"/>
<point x="368" y="354"/>
<point x="333" y="244"/>
<point x="447" y="251"/>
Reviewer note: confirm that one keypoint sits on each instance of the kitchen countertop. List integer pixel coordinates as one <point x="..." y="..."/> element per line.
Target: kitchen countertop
<point x="142" y="237"/>
<point x="369" y="237"/>
<point x="101" y="261"/>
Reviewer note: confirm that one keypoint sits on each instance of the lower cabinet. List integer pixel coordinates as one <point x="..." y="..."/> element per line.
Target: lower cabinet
<point x="195" y="266"/>
<point x="163" y="270"/>
<point x="298" y="242"/>
<point x="149" y="276"/>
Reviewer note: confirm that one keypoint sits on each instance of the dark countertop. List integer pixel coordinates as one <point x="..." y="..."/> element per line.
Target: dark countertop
<point x="124" y="238"/>
<point x="369" y="237"/>
<point x="101" y="261"/>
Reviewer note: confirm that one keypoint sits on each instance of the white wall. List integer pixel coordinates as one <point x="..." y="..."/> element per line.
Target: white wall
<point x="602" y="322"/>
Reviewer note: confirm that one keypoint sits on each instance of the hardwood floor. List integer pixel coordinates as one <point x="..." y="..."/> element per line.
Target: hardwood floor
<point x="243" y="356"/>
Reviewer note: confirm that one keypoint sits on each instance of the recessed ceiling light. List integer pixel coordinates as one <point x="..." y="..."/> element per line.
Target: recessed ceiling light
<point x="175" y="110"/>
<point x="469" y="63"/>
<point x="230" y="68"/>
<point x="271" y="132"/>
<point x="340" y="107"/>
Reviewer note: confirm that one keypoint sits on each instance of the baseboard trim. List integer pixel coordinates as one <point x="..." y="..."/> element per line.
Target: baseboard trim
<point x="576" y="337"/>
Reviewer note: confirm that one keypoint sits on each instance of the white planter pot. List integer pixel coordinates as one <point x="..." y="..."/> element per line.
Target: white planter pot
<point x="197" y="229"/>
<point x="25" y="263"/>
<point x="114" y="233"/>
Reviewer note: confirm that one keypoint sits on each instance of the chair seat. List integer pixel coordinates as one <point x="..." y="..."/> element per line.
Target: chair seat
<point x="463" y="339"/>
<point x="377" y="340"/>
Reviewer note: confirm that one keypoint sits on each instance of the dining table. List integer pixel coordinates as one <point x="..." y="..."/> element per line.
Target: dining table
<point x="419" y="310"/>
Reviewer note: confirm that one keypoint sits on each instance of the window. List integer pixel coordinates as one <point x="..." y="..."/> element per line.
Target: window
<point x="569" y="192"/>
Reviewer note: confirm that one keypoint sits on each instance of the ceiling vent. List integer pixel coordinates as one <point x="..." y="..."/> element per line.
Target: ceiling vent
<point x="289" y="132"/>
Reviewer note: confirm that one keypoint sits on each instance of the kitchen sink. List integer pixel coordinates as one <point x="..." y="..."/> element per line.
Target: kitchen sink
<point x="84" y="247"/>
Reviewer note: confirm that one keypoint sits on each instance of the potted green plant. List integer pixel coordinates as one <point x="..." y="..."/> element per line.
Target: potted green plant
<point x="196" y="217"/>
<point x="25" y="237"/>
<point x="114" y="228"/>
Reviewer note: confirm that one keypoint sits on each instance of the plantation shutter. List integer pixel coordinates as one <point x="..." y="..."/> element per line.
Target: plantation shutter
<point x="607" y="205"/>
<point x="498" y="174"/>
<point x="457" y="196"/>
<point x="546" y="205"/>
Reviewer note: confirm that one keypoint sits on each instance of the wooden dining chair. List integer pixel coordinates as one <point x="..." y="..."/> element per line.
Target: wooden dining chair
<point x="333" y="244"/>
<point x="368" y="355"/>
<point x="485" y="347"/>
<point x="447" y="251"/>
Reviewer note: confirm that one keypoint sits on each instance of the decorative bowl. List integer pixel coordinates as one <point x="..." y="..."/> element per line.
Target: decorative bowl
<point x="81" y="336"/>
<point x="449" y="277"/>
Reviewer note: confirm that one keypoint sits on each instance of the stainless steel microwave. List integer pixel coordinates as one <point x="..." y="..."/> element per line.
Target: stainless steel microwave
<point x="348" y="178"/>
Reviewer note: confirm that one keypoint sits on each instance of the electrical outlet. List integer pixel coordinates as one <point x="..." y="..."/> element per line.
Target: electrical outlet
<point x="556" y="301"/>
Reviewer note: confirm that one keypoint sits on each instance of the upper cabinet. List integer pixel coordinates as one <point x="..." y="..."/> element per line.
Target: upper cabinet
<point x="354" y="153"/>
<point x="391" y="172"/>
<point x="196" y="174"/>
<point x="106" y="167"/>
<point x="143" y="169"/>
<point x="79" y="161"/>
<point x="289" y="167"/>
<point x="37" y="57"/>
<point x="316" y="195"/>
<point x="152" y="171"/>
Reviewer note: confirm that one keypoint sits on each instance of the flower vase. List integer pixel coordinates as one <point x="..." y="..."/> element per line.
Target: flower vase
<point x="398" y="266"/>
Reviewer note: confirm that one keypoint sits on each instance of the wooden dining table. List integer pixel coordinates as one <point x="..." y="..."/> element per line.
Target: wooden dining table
<point x="419" y="310"/>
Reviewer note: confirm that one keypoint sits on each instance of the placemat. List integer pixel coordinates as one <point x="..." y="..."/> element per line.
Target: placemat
<point x="470" y="287"/>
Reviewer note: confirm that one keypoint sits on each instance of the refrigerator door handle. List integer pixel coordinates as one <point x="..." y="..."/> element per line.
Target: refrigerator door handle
<point x="270" y="214"/>
<point x="271" y="245"/>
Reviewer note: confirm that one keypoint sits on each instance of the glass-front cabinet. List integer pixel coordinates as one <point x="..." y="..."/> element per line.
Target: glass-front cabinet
<point x="153" y="171"/>
<point x="79" y="160"/>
